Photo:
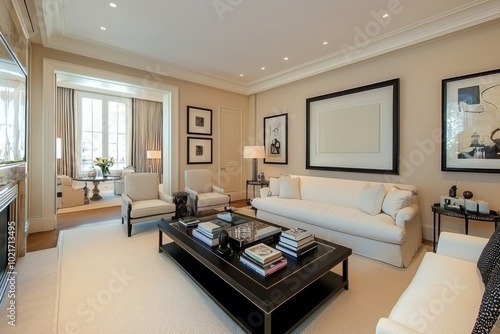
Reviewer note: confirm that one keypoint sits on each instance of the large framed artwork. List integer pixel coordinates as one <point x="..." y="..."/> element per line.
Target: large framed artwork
<point x="276" y="139"/>
<point x="199" y="150"/>
<point x="199" y="121"/>
<point x="355" y="130"/>
<point x="471" y="123"/>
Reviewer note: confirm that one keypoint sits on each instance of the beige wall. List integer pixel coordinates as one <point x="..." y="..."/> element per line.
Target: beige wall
<point x="41" y="145"/>
<point x="421" y="70"/>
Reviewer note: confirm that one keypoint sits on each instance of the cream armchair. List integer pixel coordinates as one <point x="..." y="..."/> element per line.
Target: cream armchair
<point x="143" y="201"/>
<point x="119" y="183"/>
<point x="203" y="195"/>
<point x="71" y="195"/>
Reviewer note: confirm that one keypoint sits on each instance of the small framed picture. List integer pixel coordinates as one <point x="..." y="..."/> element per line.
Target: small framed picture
<point x="199" y="150"/>
<point x="199" y="121"/>
<point x="276" y="139"/>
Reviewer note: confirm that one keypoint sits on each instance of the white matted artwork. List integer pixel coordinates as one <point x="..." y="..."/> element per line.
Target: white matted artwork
<point x="199" y="121"/>
<point x="276" y="139"/>
<point x="199" y="150"/>
<point x="354" y="130"/>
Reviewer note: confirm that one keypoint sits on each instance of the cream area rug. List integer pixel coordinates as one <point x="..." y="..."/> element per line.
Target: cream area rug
<point x="105" y="282"/>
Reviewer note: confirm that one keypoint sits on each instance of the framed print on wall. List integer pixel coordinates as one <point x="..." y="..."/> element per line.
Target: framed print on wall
<point x="276" y="139"/>
<point x="355" y="130"/>
<point x="199" y="121"/>
<point x="471" y="123"/>
<point x="199" y="150"/>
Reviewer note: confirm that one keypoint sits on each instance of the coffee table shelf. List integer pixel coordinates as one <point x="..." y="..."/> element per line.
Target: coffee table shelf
<point x="277" y="303"/>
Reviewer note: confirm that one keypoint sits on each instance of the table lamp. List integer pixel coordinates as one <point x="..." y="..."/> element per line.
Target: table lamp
<point x="254" y="152"/>
<point x="152" y="155"/>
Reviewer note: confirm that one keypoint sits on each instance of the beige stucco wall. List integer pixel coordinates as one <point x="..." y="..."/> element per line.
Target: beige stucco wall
<point x="41" y="145"/>
<point x="421" y="70"/>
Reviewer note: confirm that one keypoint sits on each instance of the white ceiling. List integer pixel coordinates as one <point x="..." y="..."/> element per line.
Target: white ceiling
<point x="213" y="42"/>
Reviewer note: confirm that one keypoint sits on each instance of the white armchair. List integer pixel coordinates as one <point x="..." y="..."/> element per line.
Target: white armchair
<point x="119" y="183"/>
<point x="203" y="195"/>
<point x="143" y="201"/>
<point x="71" y="195"/>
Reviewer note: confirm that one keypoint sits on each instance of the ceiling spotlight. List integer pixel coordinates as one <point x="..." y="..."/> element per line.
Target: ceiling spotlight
<point x="325" y="43"/>
<point x="262" y="68"/>
<point x="241" y="75"/>
<point x="286" y="58"/>
<point x="103" y="28"/>
<point x="386" y="15"/>
<point x="112" y="4"/>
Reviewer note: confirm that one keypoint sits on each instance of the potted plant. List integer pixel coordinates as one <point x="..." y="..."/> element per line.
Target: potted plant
<point x="104" y="164"/>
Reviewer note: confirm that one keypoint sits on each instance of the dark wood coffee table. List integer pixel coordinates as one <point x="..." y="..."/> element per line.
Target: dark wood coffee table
<point x="277" y="303"/>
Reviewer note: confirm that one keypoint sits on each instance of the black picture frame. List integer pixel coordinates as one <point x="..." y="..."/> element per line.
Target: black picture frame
<point x="470" y="136"/>
<point x="276" y="139"/>
<point x="199" y="150"/>
<point x="340" y="131"/>
<point x="199" y="121"/>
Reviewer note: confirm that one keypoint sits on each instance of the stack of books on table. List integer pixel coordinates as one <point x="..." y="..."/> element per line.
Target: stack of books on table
<point x="208" y="232"/>
<point x="252" y="232"/>
<point x="296" y="242"/>
<point x="188" y="221"/>
<point x="263" y="259"/>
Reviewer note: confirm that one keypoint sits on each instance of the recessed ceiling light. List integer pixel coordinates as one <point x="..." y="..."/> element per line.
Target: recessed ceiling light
<point x="262" y="68"/>
<point x="241" y="75"/>
<point x="103" y="28"/>
<point x="111" y="4"/>
<point x="325" y="43"/>
<point x="386" y="15"/>
<point x="286" y="58"/>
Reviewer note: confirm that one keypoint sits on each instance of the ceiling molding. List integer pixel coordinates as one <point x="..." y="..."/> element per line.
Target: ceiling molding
<point x="461" y="18"/>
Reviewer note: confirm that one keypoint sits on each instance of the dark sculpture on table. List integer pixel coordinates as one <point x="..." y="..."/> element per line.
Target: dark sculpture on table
<point x="224" y="248"/>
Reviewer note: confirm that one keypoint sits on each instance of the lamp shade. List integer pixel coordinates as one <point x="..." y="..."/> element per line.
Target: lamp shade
<point x="153" y="154"/>
<point x="253" y="152"/>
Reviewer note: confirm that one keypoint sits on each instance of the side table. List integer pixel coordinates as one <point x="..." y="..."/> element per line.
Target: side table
<point x="493" y="216"/>
<point x="254" y="183"/>
<point x="180" y="199"/>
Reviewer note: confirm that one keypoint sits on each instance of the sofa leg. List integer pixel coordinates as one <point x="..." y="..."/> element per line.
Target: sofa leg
<point x="122" y="220"/>
<point x="129" y="228"/>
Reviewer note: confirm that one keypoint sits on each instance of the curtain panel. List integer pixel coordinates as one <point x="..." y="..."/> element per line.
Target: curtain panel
<point x="147" y="135"/>
<point x="65" y="129"/>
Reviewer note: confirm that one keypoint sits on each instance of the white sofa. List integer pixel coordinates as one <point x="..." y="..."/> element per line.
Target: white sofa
<point x="446" y="292"/>
<point x="348" y="213"/>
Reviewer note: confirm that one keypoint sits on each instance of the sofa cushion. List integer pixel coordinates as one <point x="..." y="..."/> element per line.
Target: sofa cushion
<point x="489" y="256"/>
<point x="489" y="310"/>
<point x="442" y="296"/>
<point x="274" y="186"/>
<point x="370" y="199"/>
<point x="395" y="200"/>
<point x="290" y="187"/>
<point x="338" y="218"/>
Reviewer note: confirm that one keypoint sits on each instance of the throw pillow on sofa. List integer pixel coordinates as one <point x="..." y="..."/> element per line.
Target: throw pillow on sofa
<point x="489" y="256"/>
<point x="395" y="200"/>
<point x="371" y="198"/>
<point x="274" y="186"/>
<point x="290" y="187"/>
<point x="489" y="310"/>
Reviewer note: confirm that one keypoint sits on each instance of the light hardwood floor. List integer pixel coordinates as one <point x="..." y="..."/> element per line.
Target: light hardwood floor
<point x="48" y="239"/>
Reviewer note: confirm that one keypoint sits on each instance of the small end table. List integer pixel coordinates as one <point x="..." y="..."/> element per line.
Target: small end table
<point x="254" y="183"/>
<point x="493" y="216"/>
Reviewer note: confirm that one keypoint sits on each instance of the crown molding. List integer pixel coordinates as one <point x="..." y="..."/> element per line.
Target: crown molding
<point x="461" y="18"/>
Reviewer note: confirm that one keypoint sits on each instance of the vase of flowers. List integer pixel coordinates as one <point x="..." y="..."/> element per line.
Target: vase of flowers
<point x="104" y="164"/>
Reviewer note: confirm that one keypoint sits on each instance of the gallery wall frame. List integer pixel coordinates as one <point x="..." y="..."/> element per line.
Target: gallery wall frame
<point x="199" y="150"/>
<point x="470" y="133"/>
<point x="354" y="130"/>
<point x="276" y="139"/>
<point x="199" y="121"/>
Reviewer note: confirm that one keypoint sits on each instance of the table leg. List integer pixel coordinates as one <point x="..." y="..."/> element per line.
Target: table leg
<point x="95" y="192"/>
<point x="345" y="274"/>
<point x="466" y="224"/>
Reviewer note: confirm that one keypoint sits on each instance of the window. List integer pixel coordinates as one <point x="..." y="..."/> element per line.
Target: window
<point x="103" y="128"/>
